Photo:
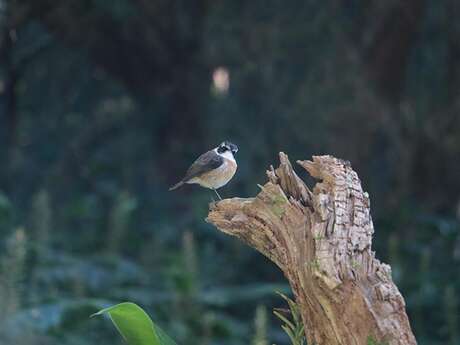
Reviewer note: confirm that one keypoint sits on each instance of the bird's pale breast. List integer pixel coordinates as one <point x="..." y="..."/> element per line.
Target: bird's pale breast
<point x="217" y="178"/>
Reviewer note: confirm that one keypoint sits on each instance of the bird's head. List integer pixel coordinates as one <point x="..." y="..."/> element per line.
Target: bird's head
<point x="227" y="146"/>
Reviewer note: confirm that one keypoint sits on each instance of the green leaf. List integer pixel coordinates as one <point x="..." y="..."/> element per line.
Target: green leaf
<point x="284" y="319"/>
<point x="135" y="326"/>
<point x="163" y="337"/>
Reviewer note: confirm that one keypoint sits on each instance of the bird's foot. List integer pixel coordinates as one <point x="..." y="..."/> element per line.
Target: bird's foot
<point x="217" y="194"/>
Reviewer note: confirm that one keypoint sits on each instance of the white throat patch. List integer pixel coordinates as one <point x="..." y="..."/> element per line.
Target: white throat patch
<point x="227" y="155"/>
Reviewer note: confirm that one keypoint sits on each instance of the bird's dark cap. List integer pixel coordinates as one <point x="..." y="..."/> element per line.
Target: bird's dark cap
<point x="227" y="145"/>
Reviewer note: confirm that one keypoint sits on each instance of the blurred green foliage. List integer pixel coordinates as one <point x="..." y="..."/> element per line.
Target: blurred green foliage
<point x="103" y="105"/>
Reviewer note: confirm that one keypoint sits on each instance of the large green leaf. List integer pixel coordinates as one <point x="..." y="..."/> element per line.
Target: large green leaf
<point x="135" y="325"/>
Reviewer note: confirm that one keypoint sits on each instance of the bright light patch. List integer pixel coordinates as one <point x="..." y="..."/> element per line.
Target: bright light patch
<point x="221" y="80"/>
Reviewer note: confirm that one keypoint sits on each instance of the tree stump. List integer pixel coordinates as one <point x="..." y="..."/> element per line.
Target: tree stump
<point x="321" y="240"/>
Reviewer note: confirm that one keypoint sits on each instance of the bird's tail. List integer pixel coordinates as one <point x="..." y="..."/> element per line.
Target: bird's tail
<point x="177" y="185"/>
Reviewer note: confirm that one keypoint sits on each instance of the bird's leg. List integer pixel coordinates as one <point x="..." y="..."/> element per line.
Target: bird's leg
<point x="217" y="194"/>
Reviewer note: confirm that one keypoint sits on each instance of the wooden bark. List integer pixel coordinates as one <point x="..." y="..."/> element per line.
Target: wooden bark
<point x="321" y="240"/>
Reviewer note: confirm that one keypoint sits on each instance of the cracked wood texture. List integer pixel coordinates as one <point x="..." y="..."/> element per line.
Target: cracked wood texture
<point x="321" y="240"/>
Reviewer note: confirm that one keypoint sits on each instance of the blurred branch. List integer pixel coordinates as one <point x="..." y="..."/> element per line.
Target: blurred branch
<point x="389" y="52"/>
<point x="453" y="55"/>
<point x="9" y="73"/>
<point x="384" y="32"/>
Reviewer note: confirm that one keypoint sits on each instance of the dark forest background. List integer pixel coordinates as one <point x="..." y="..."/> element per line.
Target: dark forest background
<point x="104" y="104"/>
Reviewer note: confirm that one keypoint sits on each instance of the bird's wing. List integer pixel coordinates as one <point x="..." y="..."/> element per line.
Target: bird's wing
<point x="206" y="162"/>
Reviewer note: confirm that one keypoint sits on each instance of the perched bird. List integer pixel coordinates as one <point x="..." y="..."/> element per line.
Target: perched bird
<point x="212" y="169"/>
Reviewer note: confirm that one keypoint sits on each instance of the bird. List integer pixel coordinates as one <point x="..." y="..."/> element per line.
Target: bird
<point x="213" y="169"/>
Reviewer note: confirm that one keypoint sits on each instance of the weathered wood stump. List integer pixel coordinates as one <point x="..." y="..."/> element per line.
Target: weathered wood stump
<point x="321" y="240"/>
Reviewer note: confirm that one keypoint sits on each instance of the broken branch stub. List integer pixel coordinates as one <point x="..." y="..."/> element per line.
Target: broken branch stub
<point x="321" y="240"/>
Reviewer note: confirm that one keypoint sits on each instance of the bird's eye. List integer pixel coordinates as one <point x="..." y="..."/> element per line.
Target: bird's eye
<point x="222" y="149"/>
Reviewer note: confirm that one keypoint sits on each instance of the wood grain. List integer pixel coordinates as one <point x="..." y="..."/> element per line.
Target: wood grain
<point x="321" y="239"/>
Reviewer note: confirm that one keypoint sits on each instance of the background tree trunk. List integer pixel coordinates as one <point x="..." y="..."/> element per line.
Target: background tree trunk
<point x="321" y="240"/>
